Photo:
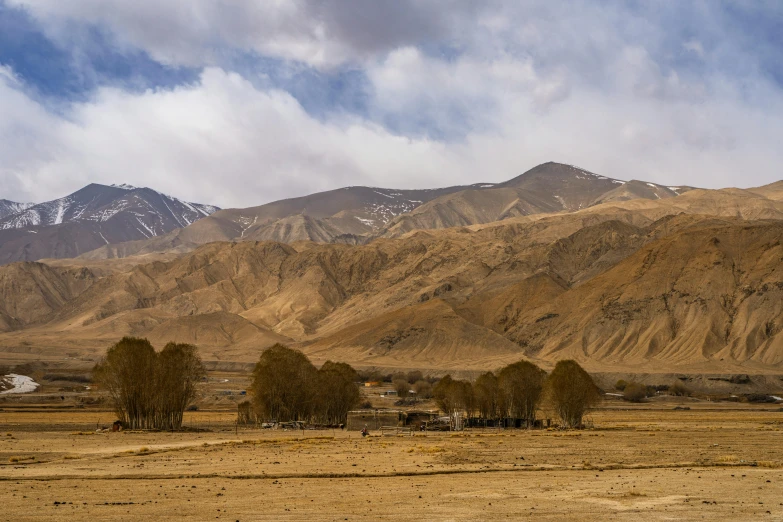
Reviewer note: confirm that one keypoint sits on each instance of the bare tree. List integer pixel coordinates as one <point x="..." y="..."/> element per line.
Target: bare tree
<point x="284" y="385"/>
<point x="414" y="376"/>
<point x="444" y="395"/>
<point x="245" y="413"/>
<point x="634" y="392"/>
<point x="489" y="398"/>
<point x="679" y="389"/>
<point x="423" y="389"/>
<point x="125" y="372"/>
<point x="571" y="392"/>
<point x="454" y="395"/>
<point x="467" y="399"/>
<point x="179" y="369"/>
<point x="149" y="390"/>
<point x="402" y="387"/>
<point x="522" y="384"/>
<point x="337" y="392"/>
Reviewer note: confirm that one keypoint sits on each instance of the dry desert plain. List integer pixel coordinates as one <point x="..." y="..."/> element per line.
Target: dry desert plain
<point x="716" y="461"/>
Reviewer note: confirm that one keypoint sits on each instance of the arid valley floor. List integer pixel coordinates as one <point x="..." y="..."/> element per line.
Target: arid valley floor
<point x="716" y="461"/>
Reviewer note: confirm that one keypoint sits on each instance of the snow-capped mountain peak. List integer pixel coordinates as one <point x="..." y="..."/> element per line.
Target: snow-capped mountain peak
<point x="8" y="208"/>
<point x="113" y="213"/>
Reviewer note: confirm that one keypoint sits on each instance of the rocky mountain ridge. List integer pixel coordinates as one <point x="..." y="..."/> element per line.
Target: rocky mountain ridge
<point x="8" y="208"/>
<point x="92" y="216"/>
<point x="357" y="215"/>
<point x="615" y="290"/>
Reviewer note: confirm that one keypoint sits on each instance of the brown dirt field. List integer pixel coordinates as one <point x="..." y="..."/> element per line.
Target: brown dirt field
<point x="657" y="464"/>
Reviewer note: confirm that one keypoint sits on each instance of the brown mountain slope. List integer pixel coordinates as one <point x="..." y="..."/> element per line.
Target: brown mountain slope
<point x="640" y="190"/>
<point x="550" y="187"/>
<point x="430" y="334"/>
<point x="614" y="287"/>
<point x="707" y="293"/>
<point x="300" y="294"/>
<point x="771" y="191"/>
<point x="460" y="209"/>
<point x="30" y="292"/>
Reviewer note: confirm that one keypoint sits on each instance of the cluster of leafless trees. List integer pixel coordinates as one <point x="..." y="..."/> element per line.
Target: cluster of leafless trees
<point x="149" y="389"/>
<point x="287" y="387"/>
<point x="413" y="381"/>
<point x="519" y="390"/>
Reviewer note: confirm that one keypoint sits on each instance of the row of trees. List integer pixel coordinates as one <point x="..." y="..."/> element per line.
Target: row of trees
<point x="149" y="389"/>
<point x="518" y="391"/>
<point x="286" y="386"/>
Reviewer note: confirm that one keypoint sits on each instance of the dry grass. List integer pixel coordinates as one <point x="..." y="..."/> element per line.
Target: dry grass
<point x="430" y="449"/>
<point x="728" y="459"/>
<point x="586" y="475"/>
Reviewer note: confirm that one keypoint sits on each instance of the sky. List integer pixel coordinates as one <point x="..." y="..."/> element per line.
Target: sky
<point x="238" y="103"/>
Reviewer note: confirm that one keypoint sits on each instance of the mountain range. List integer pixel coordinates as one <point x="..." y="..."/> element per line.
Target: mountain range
<point x="555" y="263"/>
<point x="93" y="216"/>
<point x="357" y="215"/>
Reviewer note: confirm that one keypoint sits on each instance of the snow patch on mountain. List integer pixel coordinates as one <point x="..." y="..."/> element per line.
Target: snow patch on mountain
<point x="156" y="213"/>
<point x="9" y="208"/>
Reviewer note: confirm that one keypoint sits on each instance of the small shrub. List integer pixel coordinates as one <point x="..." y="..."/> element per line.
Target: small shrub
<point x="402" y="387"/>
<point x="635" y="392"/>
<point x="620" y="385"/>
<point x="423" y="389"/>
<point x="414" y="376"/>
<point x="679" y="389"/>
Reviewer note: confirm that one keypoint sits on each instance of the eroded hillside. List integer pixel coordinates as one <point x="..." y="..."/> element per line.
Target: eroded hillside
<point x="648" y="288"/>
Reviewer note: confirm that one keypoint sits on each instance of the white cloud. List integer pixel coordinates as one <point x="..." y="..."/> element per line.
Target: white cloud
<point x="321" y="33"/>
<point x="513" y="85"/>
<point x="695" y="47"/>
<point x="220" y="141"/>
<point x="226" y="142"/>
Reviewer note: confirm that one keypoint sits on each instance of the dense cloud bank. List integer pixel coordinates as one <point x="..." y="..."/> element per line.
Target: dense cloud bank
<point x="291" y="98"/>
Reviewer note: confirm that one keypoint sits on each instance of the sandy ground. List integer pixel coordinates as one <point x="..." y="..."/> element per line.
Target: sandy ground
<point x="637" y="464"/>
